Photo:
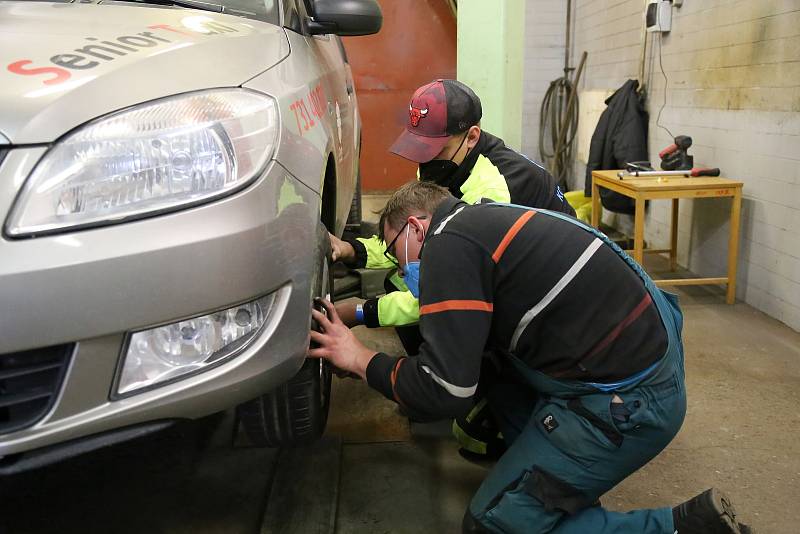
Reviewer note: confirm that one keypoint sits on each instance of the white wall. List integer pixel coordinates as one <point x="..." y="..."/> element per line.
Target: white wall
<point x="733" y="70"/>
<point x="543" y="62"/>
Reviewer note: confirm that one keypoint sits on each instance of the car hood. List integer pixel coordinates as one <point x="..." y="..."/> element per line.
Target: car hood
<point x="64" y="64"/>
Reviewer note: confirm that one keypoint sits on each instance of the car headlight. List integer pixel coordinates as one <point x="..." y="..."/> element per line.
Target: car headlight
<point x="158" y="156"/>
<point x="165" y="353"/>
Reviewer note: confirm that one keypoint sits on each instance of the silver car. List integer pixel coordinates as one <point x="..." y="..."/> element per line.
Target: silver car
<point x="168" y="174"/>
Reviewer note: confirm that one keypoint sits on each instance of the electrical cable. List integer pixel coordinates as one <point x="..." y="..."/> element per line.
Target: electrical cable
<point x="664" y="74"/>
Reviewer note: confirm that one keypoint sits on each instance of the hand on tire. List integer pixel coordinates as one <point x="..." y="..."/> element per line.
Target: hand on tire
<point x="341" y="250"/>
<point x="337" y="344"/>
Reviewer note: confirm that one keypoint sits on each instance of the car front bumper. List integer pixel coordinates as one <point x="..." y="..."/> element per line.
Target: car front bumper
<point x="91" y="288"/>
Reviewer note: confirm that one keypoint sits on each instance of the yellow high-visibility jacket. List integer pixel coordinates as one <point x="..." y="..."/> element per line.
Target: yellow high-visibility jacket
<point x="492" y="171"/>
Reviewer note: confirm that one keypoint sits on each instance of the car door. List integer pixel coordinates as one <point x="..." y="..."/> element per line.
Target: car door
<point x="352" y="116"/>
<point x="340" y="101"/>
<point x="325" y="102"/>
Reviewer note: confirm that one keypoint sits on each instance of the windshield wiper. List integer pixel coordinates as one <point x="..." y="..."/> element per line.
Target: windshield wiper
<point x="193" y="4"/>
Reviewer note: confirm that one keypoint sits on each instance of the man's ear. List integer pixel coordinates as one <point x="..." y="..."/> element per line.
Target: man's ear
<point x="473" y="135"/>
<point x="419" y="228"/>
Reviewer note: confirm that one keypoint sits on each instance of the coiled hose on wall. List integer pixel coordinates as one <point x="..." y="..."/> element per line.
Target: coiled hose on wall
<point x="558" y="124"/>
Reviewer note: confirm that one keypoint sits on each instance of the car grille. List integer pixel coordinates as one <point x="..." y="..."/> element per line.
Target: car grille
<point x="29" y="383"/>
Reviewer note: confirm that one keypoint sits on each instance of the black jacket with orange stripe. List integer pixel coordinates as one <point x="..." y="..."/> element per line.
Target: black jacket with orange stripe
<point x="498" y="279"/>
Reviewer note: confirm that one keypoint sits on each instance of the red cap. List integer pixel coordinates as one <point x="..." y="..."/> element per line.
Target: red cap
<point x="437" y="111"/>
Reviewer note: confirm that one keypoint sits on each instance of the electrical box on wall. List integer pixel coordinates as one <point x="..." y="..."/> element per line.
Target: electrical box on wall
<point x="659" y="16"/>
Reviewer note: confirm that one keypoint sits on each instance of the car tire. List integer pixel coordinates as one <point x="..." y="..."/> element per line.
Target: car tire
<point x="296" y="412"/>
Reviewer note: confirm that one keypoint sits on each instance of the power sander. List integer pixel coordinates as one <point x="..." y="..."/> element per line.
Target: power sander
<point x="676" y="156"/>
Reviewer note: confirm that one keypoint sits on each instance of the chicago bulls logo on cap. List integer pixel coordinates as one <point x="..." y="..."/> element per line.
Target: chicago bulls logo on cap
<point x="416" y="115"/>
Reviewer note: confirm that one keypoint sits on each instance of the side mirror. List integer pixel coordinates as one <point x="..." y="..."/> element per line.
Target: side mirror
<point x="345" y="17"/>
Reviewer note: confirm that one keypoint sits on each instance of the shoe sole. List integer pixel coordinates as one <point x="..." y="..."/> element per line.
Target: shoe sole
<point x="728" y="523"/>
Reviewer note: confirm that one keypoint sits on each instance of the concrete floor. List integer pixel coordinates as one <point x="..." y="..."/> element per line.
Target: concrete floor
<point x="741" y="434"/>
<point x="178" y="481"/>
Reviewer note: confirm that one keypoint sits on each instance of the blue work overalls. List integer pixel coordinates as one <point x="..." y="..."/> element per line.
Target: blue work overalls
<point x="567" y="448"/>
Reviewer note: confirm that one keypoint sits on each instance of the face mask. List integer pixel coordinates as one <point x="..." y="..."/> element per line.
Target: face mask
<point x="439" y="171"/>
<point x="411" y="270"/>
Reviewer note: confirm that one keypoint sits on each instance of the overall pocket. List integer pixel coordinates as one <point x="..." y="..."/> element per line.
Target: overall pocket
<point x="573" y="434"/>
<point x="535" y="503"/>
<point x="630" y="412"/>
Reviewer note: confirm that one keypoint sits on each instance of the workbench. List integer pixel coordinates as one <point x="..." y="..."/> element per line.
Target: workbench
<point x="673" y="188"/>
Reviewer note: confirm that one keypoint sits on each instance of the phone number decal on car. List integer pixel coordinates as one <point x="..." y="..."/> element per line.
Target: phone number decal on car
<point x="305" y="114"/>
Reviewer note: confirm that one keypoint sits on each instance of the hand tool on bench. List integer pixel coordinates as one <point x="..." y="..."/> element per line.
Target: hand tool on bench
<point x="697" y="171"/>
<point x="676" y="156"/>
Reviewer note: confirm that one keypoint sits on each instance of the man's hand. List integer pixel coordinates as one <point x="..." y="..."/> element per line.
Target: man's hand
<point x="337" y="344"/>
<point x="341" y="250"/>
<point x="347" y="312"/>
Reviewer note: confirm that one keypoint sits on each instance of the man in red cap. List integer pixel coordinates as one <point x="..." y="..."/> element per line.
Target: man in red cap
<point x="443" y="135"/>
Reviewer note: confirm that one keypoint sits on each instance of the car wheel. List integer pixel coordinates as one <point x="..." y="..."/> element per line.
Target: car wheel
<point x="296" y="412"/>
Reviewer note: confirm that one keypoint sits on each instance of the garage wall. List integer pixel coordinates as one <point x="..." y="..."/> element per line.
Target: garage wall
<point x="545" y="27"/>
<point x="733" y="79"/>
<point x="416" y="44"/>
<point x="490" y="54"/>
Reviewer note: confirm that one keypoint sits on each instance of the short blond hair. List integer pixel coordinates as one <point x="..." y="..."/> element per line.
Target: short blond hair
<point x="413" y="198"/>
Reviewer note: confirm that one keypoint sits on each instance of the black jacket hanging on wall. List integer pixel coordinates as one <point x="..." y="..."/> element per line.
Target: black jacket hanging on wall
<point x="620" y="137"/>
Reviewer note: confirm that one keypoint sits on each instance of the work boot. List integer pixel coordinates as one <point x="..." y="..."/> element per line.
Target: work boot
<point x="711" y="512"/>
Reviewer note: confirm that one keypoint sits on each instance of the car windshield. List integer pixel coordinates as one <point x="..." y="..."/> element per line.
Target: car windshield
<point x="266" y="10"/>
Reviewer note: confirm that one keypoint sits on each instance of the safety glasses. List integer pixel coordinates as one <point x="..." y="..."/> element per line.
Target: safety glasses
<point x="389" y="252"/>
